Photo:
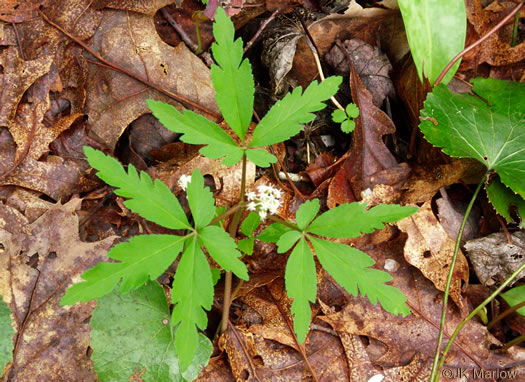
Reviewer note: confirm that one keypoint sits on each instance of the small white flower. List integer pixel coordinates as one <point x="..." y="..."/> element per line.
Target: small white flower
<point x="251" y="196"/>
<point x="265" y="201"/>
<point x="183" y="181"/>
<point x="263" y="214"/>
<point x="252" y="206"/>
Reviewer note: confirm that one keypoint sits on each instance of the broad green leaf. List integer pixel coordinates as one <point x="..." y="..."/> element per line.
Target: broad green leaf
<point x="306" y="213"/>
<point x="232" y="79"/>
<point x="436" y="32"/>
<point x="200" y="199"/>
<point x="6" y="335"/>
<point x="287" y="241"/>
<point x="260" y="157"/>
<point x="250" y="224"/>
<point x="353" y="219"/>
<point x="215" y="275"/>
<point x="152" y="201"/>
<point x="349" y="267"/>
<point x="273" y="232"/>
<point x="285" y="118"/>
<point x="131" y="335"/>
<point x="466" y="126"/>
<point x="503" y="199"/>
<point x="301" y="285"/>
<point x="192" y="292"/>
<point x="141" y="258"/>
<point x="223" y="249"/>
<point x="514" y="297"/>
<point x="198" y="130"/>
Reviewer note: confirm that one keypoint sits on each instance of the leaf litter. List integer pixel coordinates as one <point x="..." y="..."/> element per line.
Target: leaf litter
<point x="49" y="85"/>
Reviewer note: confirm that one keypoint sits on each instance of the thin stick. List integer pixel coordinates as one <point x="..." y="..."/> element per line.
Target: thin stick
<point x="449" y="279"/>
<point x="18" y="41"/>
<point x="132" y="75"/>
<point x="504" y="314"/>
<point x="259" y="31"/>
<point x="481" y="40"/>
<point x="182" y="33"/>
<point x="515" y="341"/>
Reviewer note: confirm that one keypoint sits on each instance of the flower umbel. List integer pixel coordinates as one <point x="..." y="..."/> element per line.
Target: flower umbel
<point x="266" y="200"/>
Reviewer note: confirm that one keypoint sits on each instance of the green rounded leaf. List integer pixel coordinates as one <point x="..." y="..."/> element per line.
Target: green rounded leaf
<point x="6" y="335"/>
<point x="131" y="335"/>
<point x="338" y="116"/>
<point x="514" y="297"/>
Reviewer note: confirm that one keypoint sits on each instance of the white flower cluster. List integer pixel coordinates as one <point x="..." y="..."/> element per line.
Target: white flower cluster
<point x="267" y="200"/>
<point x="183" y="181"/>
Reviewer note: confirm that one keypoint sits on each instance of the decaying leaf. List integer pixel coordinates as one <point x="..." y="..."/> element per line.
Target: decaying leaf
<point x="494" y="259"/>
<point x="36" y="268"/>
<point x="114" y="99"/>
<point x="430" y="249"/>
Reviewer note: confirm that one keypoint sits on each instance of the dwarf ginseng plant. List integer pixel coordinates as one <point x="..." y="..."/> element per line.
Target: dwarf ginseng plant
<point x="148" y="256"/>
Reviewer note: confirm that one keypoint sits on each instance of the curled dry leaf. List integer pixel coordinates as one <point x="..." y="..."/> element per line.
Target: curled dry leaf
<point x="52" y="340"/>
<point x="114" y="99"/>
<point x="430" y="249"/>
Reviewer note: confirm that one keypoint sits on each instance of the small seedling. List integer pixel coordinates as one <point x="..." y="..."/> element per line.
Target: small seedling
<point x="346" y="118"/>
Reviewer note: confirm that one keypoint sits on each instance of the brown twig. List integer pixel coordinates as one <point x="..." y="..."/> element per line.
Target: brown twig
<point x="481" y="40"/>
<point x="180" y="30"/>
<point x="18" y="41"/>
<point x="117" y="68"/>
<point x="259" y="31"/>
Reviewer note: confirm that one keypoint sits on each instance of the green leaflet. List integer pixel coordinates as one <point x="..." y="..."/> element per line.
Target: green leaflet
<point x="345" y="118"/>
<point x="435" y="36"/>
<point x="307" y="212"/>
<point x="141" y="258"/>
<point x="301" y="285"/>
<point x="466" y="126"/>
<point x="285" y="118"/>
<point x="248" y="227"/>
<point x="200" y="199"/>
<point x="353" y="219"/>
<point x="6" y="335"/>
<point x="223" y="249"/>
<point x="144" y="312"/>
<point x="349" y="267"/>
<point x="152" y="201"/>
<point x="192" y="292"/>
<point x="198" y="130"/>
<point x="232" y="79"/>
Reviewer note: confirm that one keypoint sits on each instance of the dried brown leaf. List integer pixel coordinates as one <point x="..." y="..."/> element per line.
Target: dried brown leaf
<point x="53" y="340"/>
<point x="430" y="249"/>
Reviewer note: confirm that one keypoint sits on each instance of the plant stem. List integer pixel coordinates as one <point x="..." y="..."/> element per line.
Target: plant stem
<point x="475" y="311"/>
<point x="504" y="314"/>
<point x="435" y="369"/>
<point x="515" y="341"/>
<point x="283" y="222"/>
<point x="233" y="232"/>
<point x="514" y="30"/>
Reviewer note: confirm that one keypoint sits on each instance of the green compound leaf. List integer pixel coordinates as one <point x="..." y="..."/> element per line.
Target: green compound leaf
<point x="503" y="199"/>
<point x="131" y="335"/>
<point x="353" y="219"/>
<point x="466" y="126"/>
<point x="141" y="258"/>
<point x="200" y="199"/>
<point x="434" y="36"/>
<point x="192" y="293"/>
<point x="232" y="79"/>
<point x="223" y="249"/>
<point x="306" y="213"/>
<point x="514" y="297"/>
<point x="198" y="130"/>
<point x="152" y="201"/>
<point x="349" y="267"/>
<point x="287" y="241"/>
<point x="301" y="285"/>
<point x="285" y="118"/>
<point x="6" y="335"/>
<point x="260" y="157"/>
<point x="246" y="245"/>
